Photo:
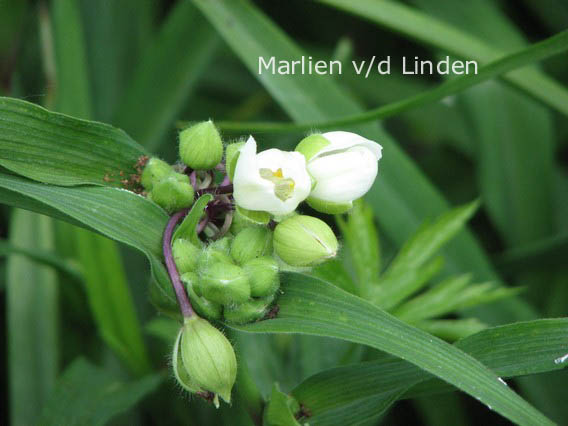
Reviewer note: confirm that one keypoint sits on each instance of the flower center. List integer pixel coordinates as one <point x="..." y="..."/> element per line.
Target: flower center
<point x="283" y="187"/>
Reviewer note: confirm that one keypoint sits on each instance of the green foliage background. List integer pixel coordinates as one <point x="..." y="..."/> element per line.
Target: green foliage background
<point x="84" y="344"/>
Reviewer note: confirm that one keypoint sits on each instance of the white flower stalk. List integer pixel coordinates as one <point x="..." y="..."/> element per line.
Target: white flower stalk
<point x="274" y="181"/>
<point x="343" y="165"/>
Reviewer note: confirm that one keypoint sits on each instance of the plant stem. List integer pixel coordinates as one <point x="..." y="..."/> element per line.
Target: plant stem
<point x="225" y="189"/>
<point x="181" y="295"/>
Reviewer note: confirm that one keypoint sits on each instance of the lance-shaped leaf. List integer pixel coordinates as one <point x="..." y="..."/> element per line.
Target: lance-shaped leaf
<point x="58" y="149"/>
<point x="310" y="306"/>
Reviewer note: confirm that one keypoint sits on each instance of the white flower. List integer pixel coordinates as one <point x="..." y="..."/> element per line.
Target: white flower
<point x="344" y="166"/>
<point x="274" y="181"/>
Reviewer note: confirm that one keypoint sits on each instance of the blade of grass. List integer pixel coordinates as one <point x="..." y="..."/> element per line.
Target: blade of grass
<point x="547" y="251"/>
<point x="516" y="179"/>
<point x="110" y="298"/>
<point x="105" y="280"/>
<point x="166" y="75"/>
<point x="500" y="67"/>
<point x="44" y="257"/>
<point x="116" y="34"/>
<point x="55" y="148"/>
<point x="72" y="85"/>
<point x="362" y="241"/>
<point x="510" y="351"/>
<point x="89" y="395"/>
<point x="107" y="211"/>
<point x="31" y="312"/>
<point x="310" y="306"/>
<point x="427" y="29"/>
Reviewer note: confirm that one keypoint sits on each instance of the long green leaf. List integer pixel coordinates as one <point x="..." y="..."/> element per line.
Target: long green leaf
<point x="362" y="241"/>
<point x="311" y="306"/>
<point x="516" y="180"/>
<point x="500" y="67"/>
<point x="104" y="276"/>
<point x="125" y="29"/>
<point x="510" y="351"/>
<point x="167" y="73"/>
<point x="45" y="257"/>
<point x="88" y="395"/>
<point x="31" y="305"/>
<point x="427" y="241"/>
<point x="58" y="149"/>
<point x="401" y="194"/>
<point x="110" y="299"/>
<point x="115" y="213"/>
<point x="415" y="24"/>
<point x="72" y="92"/>
<point x="187" y="229"/>
<point x="108" y="211"/>
<point x="544" y="252"/>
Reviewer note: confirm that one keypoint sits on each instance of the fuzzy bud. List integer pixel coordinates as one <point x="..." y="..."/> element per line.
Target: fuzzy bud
<point x="304" y="241"/>
<point x="201" y="305"/>
<point x="200" y="146"/>
<point x="155" y="171"/>
<point x="250" y="243"/>
<point x="343" y="167"/>
<point x="224" y="283"/>
<point x="263" y="276"/>
<point x="243" y="218"/>
<point x="185" y="255"/>
<point x="250" y="311"/>
<point x="213" y="254"/>
<point x="208" y="357"/>
<point x="231" y="156"/>
<point x="173" y="192"/>
<point x="180" y="372"/>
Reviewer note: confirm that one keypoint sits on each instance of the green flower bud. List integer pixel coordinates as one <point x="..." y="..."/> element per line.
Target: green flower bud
<point x="311" y="145"/>
<point x="180" y="372"/>
<point x="329" y="207"/>
<point x="224" y="283"/>
<point x="222" y="244"/>
<point x="201" y="305"/>
<point x="186" y="255"/>
<point x="281" y="410"/>
<point x="214" y="254"/>
<point x="200" y="146"/>
<point x="173" y="192"/>
<point x="243" y="218"/>
<point x="155" y="171"/>
<point x="208" y="357"/>
<point x="304" y="241"/>
<point x="263" y="276"/>
<point x="231" y="157"/>
<point x="250" y="243"/>
<point x="250" y="311"/>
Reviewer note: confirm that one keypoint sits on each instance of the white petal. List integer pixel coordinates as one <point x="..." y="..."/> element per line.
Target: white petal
<point x="341" y="140"/>
<point x="344" y="176"/>
<point x="253" y="192"/>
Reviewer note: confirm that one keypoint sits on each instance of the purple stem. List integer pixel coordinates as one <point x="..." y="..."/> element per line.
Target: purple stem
<point x="201" y="226"/>
<point x="181" y="295"/>
<point x="225" y="189"/>
<point x="226" y="225"/>
<point x="193" y="179"/>
<point x="226" y="181"/>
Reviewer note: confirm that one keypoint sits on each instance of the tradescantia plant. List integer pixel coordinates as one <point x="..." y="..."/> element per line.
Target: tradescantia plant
<point x="230" y="268"/>
<point x="224" y="252"/>
<point x="261" y="297"/>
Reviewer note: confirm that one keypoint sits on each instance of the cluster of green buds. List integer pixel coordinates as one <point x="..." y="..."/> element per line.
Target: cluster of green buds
<point x="234" y="227"/>
<point x="234" y="278"/>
